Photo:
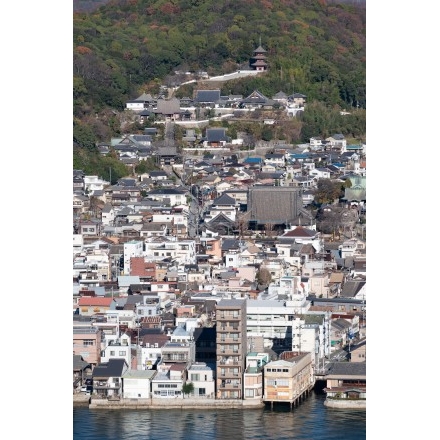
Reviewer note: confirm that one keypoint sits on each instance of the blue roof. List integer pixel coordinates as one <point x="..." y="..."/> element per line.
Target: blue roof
<point x="299" y="156"/>
<point x="253" y="160"/>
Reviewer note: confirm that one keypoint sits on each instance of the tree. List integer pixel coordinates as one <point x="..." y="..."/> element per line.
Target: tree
<point x="328" y="190"/>
<point x="187" y="388"/>
<point x="263" y="276"/>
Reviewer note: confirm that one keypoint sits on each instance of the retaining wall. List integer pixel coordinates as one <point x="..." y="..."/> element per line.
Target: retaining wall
<point x="345" y="403"/>
<point x="166" y="403"/>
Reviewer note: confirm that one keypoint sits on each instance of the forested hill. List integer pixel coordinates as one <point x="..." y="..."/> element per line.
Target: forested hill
<point x="91" y="5"/>
<point x="127" y="47"/>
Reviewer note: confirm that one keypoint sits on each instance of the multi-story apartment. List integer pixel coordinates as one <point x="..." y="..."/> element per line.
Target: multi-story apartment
<point x="286" y="380"/>
<point x="87" y="343"/>
<point x="231" y="343"/>
<point x="274" y="320"/>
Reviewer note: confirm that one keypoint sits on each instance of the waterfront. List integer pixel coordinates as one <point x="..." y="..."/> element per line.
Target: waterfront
<point x="311" y="420"/>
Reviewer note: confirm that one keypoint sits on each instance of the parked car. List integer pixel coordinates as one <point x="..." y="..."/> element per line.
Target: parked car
<point x="87" y="389"/>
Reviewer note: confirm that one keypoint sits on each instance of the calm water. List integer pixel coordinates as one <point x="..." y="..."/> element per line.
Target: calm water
<point x="310" y="421"/>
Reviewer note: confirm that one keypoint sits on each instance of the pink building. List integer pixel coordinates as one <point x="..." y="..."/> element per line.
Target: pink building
<point x="87" y="343"/>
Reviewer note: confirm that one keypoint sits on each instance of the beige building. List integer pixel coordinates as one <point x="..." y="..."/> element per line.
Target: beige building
<point x="231" y="348"/>
<point x="288" y="380"/>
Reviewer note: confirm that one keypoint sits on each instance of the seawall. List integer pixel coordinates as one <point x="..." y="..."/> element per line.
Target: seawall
<point x="345" y="403"/>
<point x="167" y="403"/>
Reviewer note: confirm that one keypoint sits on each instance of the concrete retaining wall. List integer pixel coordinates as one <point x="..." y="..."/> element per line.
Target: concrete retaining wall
<point x="345" y="403"/>
<point x="175" y="403"/>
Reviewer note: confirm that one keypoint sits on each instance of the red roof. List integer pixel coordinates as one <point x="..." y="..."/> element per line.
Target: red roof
<point x="95" y="301"/>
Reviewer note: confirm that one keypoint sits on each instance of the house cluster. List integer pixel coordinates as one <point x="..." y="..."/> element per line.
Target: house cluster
<point x="218" y="279"/>
<point x="214" y="175"/>
<point x="188" y="109"/>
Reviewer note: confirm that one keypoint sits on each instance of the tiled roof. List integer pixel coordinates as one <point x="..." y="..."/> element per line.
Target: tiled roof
<point x="207" y="96"/>
<point x="94" y="301"/>
<point x="113" y="368"/>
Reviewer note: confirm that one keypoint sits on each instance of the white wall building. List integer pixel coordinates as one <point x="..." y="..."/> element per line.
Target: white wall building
<point x="117" y="349"/>
<point x="132" y="248"/>
<point x="136" y="384"/>
<point x="202" y="378"/>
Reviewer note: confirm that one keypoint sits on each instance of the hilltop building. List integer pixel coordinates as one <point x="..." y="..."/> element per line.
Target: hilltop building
<point x="258" y="59"/>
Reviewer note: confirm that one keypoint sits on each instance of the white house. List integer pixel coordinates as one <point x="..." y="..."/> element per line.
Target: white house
<point x="136" y="384"/>
<point x="108" y="215"/>
<point x="94" y="183"/>
<point x="132" y="248"/>
<point x="169" y="381"/>
<point x="202" y="378"/>
<point x="320" y="173"/>
<point x="78" y="243"/>
<point x="316" y="144"/>
<point x="117" y="349"/>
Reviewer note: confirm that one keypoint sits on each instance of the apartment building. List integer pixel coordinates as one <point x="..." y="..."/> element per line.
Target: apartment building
<point x="231" y="341"/>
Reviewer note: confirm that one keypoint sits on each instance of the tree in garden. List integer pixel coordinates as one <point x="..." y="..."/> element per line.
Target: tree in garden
<point x="328" y="190"/>
<point x="187" y="388"/>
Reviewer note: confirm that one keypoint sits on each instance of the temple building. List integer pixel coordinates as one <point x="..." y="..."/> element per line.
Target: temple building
<point x="258" y="59"/>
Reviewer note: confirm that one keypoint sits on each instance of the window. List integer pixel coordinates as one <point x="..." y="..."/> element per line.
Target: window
<point x="195" y="377"/>
<point x="202" y="391"/>
<point x="112" y="353"/>
<point x="122" y="353"/>
<point x="249" y="392"/>
<point x="87" y="342"/>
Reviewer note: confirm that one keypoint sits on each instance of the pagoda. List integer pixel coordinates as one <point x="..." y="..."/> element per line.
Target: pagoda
<point x="258" y="59"/>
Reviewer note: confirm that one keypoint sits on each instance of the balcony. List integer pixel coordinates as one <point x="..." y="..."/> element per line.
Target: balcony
<point x="106" y="386"/>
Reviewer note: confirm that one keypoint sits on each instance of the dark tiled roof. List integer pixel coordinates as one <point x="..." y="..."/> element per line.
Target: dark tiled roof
<point x="79" y="363"/>
<point x="224" y="199"/>
<point x="269" y="204"/>
<point x="351" y="288"/>
<point x="207" y="96"/>
<point x="357" y="369"/>
<point x="113" y="368"/>
<point x="216" y="134"/>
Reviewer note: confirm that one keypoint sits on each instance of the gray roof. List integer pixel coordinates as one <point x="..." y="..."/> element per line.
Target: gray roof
<point x="113" y="368"/>
<point x="216" y="134"/>
<point x="344" y="369"/>
<point x="139" y="374"/>
<point x="168" y="106"/>
<point x="79" y="363"/>
<point x="207" y="96"/>
<point x="269" y="204"/>
<point x="224" y="199"/>
<point x="126" y="280"/>
<point x="351" y="288"/>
